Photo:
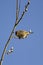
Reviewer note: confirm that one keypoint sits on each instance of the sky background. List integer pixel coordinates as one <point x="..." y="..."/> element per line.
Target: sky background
<point x="28" y="51"/>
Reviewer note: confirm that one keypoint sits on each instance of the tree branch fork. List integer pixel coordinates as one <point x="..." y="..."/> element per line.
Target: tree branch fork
<point x="16" y="23"/>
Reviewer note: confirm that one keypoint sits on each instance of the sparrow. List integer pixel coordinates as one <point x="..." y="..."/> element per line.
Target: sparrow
<point x="21" y="34"/>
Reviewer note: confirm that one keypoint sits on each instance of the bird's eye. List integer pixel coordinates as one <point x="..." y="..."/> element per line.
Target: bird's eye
<point x="16" y="33"/>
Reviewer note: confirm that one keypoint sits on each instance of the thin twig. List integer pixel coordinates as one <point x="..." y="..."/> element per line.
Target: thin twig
<point x="16" y="10"/>
<point x="25" y="10"/>
<point x="19" y="8"/>
<point x="2" y="57"/>
<point x="0" y="63"/>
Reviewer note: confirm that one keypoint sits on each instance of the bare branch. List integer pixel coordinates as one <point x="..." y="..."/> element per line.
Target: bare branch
<point x="16" y="23"/>
<point x="16" y="10"/>
<point x="25" y="10"/>
<point x="0" y="62"/>
<point x="2" y="57"/>
<point x="19" y="7"/>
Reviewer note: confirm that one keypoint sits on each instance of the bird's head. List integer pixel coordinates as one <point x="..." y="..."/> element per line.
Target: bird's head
<point x="16" y="33"/>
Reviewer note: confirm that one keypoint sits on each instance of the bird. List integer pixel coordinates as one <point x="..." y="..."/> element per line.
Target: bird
<point x="21" y="34"/>
<point x="10" y="51"/>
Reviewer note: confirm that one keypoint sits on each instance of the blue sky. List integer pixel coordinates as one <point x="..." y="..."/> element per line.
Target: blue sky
<point x="27" y="51"/>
